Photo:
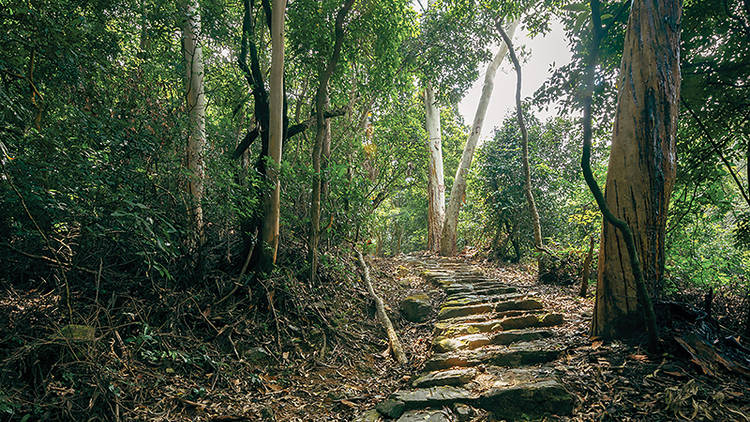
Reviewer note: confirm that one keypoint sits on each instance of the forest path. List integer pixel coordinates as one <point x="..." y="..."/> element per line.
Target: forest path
<point x="492" y="349"/>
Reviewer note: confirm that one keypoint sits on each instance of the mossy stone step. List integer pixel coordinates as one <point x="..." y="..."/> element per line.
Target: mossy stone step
<point x="466" y="300"/>
<point x="451" y="377"/>
<point x="507" y="305"/>
<point x="475" y="341"/>
<point x="447" y="329"/>
<point x="487" y="317"/>
<point x="514" y="355"/>
<point x="484" y="291"/>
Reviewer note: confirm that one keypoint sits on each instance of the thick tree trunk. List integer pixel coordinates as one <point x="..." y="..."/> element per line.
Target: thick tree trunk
<point x="321" y="102"/>
<point x="435" y="179"/>
<point x="196" y="103"/>
<point x="458" y="190"/>
<point x="271" y="206"/>
<point x="641" y="167"/>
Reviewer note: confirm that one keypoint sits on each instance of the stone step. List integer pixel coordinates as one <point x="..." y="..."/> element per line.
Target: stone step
<point x="429" y="415"/>
<point x="488" y="316"/>
<point x="514" y="355"/>
<point x="524" y="304"/>
<point x="423" y="398"/>
<point x="468" y="300"/>
<point x="528" y="401"/>
<point x="515" y="394"/>
<point x="484" y="291"/>
<point x="475" y="341"/>
<point x="528" y="320"/>
<point x="451" y="377"/>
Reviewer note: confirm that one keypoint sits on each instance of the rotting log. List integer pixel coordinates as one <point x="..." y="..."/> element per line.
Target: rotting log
<point x="393" y="341"/>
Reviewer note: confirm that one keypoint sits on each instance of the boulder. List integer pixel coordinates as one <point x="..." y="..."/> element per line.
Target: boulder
<point x="391" y="408"/>
<point x="416" y="308"/>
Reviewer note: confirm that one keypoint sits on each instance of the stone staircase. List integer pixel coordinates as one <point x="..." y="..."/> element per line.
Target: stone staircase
<point x="492" y="347"/>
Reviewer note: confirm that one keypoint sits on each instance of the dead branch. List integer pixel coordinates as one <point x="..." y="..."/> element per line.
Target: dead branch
<point x="393" y="341"/>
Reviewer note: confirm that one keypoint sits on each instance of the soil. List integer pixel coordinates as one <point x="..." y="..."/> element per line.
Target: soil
<point x="294" y="352"/>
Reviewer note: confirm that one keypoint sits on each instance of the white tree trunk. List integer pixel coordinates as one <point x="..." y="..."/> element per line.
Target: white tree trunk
<point x="270" y="229"/>
<point x="458" y="190"/>
<point x="196" y="102"/>
<point x="436" y="184"/>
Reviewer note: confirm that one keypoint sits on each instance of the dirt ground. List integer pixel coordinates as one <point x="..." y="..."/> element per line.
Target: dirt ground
<point x="306" y="354"/>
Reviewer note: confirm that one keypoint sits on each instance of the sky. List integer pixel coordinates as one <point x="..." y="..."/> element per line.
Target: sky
<point x="543" y="52"/>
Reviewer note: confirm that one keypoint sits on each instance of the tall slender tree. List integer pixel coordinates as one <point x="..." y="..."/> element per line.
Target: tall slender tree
<point x="641" y="170"/>
<point x="458" y="190"/>
<point x="528" y="192"/>
<point x="435" y="177"/>
<point x="196" y="103"/>
<point x="271" y="206"/>
<point x="321" y="106"/>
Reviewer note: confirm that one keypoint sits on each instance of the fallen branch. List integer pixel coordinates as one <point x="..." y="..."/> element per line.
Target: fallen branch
<point x="393" y="342"/>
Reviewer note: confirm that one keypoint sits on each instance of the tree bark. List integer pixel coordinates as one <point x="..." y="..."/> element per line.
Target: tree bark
<point x="271" y="205"/>
<point x="321" y="100"/>
<point x="641" y="171"/>
<point x="458" y="190"/>
<point x="435" y="177"/>
<point x="196" y="103"/>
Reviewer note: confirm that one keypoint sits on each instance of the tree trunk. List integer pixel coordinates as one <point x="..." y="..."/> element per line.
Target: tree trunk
<point x="641" y="169"/>
<point x="271" y="207"/>
<point x="321" y="101"/>
<point x="525" y="151"/>
<point x="458" y="190"/>
<point x="196" y="103"/>
<point x="435" y="179"/>
<point x="587" y="268"/>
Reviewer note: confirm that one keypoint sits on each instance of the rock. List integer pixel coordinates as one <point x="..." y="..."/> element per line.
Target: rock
<point x="460" y="311"/>
<point x="391" y="408"/>
<point x="449" y="344"/>
<point x="528" y="401"/>
<point x="451" y="330"/>
<point x="256" y="355"/>
<point x="452" y="377"/>
<point x="463" y="412"/>
<point x="518" y="304"/>
<point x="76" y="332"/>
<point x="471" y="299"/>
<point x="525" y="353"/>
<point x="526" y="321"/>
<point x="416" y="308"/>
<point x="432" y="397"/>
<point x="425" y="416"/>
<point x="515" y="336"/>
<point x="371" y="415"/>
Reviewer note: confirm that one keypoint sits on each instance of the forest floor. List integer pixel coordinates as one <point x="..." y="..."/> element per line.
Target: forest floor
<point x="317" y="355"/>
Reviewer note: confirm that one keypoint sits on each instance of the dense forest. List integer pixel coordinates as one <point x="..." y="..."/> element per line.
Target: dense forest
<point x="275" y="210"/>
